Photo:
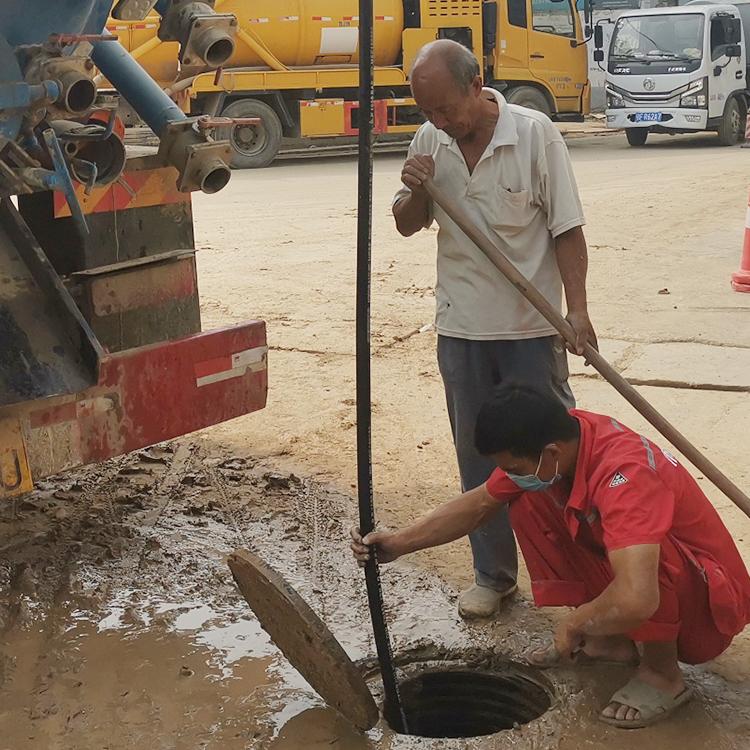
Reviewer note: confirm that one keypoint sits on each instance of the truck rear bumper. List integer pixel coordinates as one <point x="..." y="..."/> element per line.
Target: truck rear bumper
<point x="143" y="396"/>
<point x="681" y="119"/>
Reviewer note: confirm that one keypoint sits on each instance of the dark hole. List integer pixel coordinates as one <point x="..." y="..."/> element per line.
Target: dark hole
<point x="219" y="52"/>
<point x="215" y="180"/>
<point x="109" y="157"/>
<point x="81" y="95"/>
<point x="466" y="703"/>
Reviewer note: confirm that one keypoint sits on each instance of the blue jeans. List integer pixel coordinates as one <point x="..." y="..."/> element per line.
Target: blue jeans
<point x="470" y="372"/>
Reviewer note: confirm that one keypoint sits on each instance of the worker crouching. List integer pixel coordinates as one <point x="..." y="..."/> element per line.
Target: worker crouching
<point x="611" y="525"/>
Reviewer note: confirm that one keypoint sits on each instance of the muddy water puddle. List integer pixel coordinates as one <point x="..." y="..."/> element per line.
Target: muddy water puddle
<point x="122" y="627"/>
<point x="186" y="676"/>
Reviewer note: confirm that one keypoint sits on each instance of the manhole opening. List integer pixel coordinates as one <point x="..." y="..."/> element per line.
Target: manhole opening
<point x="467" y="703"/>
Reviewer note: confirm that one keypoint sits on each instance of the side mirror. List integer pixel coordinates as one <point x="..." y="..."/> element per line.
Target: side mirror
<point x="598" y="37"/>
<point x="598" y="55"/>
<point x="733" y="50"/>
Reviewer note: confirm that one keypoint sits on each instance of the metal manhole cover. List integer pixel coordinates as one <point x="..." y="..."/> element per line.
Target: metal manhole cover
<point x="303" y="639"/>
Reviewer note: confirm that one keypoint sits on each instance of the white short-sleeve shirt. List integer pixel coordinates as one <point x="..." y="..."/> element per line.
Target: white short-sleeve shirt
<point x="523" y="194"/>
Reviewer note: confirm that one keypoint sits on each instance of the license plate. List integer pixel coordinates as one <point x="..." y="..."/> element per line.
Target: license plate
<point x="15" y="475"/>
<point x="648" y="117"/>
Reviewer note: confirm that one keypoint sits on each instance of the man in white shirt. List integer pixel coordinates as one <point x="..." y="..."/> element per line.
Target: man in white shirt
<point x="509" y="169"/>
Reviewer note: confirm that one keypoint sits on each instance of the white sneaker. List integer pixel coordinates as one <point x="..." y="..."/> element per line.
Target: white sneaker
<point x="482" y="601"/>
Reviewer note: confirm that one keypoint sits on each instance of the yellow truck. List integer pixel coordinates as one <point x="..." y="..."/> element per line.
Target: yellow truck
<point x="294" y="64"/>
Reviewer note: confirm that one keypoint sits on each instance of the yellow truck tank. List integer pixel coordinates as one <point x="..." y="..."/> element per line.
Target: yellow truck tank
<point x="314" y="32"/>
<point x="291" y="33"/>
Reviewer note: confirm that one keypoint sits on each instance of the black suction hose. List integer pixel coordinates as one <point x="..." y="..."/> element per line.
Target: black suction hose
<point x="393" y="705"/>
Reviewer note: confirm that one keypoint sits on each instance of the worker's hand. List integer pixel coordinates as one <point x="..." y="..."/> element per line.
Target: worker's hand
<point x="416" y="170"/>
<point x="384" y="542"/>
<point x="568" y="641"/>
<point x="584" y="331"/>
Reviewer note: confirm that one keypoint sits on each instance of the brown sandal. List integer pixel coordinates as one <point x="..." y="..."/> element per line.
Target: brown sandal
<point x="652" y="704"/>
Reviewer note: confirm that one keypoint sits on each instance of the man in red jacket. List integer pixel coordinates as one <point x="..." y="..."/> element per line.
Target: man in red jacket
<point x="611" y="525"/>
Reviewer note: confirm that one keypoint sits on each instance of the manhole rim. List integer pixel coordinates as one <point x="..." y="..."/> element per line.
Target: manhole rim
<point x="412" y="662"/>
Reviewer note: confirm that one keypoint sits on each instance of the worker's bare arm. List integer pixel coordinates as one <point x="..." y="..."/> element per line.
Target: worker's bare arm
<point x="412" y="212"/>
<point x="448" y="522"/>
<point x="626" y="604"/>
<point x="573" y="261"/>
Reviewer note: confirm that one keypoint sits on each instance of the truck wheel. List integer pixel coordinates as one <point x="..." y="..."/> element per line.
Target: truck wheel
<point x="528" y="96"/>
<point x="636" y="136"/>
<point x="731" y="129"/>
<point x="253" y="146"/>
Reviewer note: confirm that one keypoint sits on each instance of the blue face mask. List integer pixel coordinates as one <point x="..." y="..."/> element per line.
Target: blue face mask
<point x="532" y="482"/>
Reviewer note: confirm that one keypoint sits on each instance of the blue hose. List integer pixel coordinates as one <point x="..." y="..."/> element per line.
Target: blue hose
<point x="146" y="97"/>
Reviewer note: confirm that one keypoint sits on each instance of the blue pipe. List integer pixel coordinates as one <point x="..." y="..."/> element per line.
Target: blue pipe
<point x="140" y="90"/>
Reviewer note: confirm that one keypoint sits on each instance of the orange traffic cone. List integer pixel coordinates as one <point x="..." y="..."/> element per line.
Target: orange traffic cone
<point x="741" y="279"/>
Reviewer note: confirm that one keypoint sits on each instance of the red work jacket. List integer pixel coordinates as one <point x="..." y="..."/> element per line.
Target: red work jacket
<point x="628" y="491"/>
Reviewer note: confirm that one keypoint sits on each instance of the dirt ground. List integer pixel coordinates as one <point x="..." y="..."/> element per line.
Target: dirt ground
<point x="120" y="622"/>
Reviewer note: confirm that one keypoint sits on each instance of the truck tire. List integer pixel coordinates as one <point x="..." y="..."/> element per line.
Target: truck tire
<point x="636" y="136"/>
<point x="253" y="146"/>
<point x="732" y="128"/>
<point x="528" y="96"/>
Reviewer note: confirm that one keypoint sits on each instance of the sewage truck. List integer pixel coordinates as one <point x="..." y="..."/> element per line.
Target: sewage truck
<point x="294" y="64"/>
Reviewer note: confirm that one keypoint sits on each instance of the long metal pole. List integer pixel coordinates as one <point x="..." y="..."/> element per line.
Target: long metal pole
<point x="533" y="295"/>
<point x="393" y="705"/>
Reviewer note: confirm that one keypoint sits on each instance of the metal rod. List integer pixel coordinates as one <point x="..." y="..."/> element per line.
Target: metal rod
<point x="537" y="299"/>
<point x="364" y="410"/>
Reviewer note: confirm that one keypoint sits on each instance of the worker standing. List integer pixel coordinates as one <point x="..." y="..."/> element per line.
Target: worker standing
<point x="509" y="169"/>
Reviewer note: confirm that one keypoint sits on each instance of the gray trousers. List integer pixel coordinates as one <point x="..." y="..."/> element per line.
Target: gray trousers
<point x="470" y="371"/>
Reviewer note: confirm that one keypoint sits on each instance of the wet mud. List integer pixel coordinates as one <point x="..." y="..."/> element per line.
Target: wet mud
<point x="121" y="626"/>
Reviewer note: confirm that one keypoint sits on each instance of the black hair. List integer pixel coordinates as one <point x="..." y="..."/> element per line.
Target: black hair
<point x="521" y="419"/>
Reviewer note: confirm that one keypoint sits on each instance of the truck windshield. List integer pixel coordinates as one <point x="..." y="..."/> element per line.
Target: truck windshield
<point x="658" y="38"/>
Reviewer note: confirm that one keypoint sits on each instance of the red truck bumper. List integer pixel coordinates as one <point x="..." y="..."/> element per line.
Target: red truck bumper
<point x="143" y="396"/>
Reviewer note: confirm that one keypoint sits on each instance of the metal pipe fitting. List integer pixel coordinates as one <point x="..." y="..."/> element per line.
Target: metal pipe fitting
<point x="80" y="146"/>
<point x="206" y="38"/>
<point x="77" y="92"/>
<point x="73" y="77"/>
<point x="210" y="42"/>
<point x="200" y="161"/>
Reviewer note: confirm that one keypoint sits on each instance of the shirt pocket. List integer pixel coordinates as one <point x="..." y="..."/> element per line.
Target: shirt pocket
<point x="512" y="211"/>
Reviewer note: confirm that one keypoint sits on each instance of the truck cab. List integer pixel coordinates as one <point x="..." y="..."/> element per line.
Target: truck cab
<point x="679" y="70"/>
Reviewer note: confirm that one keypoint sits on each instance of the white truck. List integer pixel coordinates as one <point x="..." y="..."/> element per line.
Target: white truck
<point x="678" y="70"/>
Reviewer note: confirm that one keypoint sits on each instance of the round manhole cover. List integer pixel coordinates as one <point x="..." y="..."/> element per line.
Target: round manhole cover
<point x="304" y="640"/>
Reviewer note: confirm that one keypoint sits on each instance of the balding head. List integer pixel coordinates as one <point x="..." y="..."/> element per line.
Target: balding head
<point x="446" y="56"/>
<point x="446" y="84"/>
